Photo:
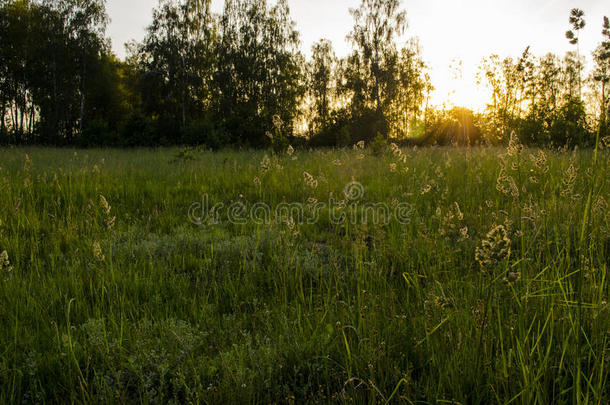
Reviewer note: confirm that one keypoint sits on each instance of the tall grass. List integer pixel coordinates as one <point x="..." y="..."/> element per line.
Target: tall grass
<point x="494" y="292"/>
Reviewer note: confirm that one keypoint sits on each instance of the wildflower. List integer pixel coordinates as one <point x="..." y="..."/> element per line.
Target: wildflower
<point x="494" y="248"/>
<point x="290" y="150"/>
<point x="310" y="180"/>
<point x="5" y="264"/>
<point x="97" y="252"/>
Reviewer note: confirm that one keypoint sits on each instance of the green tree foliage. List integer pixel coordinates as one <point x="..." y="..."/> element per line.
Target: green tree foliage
<point x="413" y="88"/>
<point x="577" y="20"/>
<point x="57" y="73"/>
<point x="258" y="81"/>
<point x="379" y="89"/>
<point x="537" y="98"/>
<point x="321" y="84"/>
<point x="372" y="77"/>
<point x="601" y="76"/>
<point x="175" y="64"/>
<point x="238" y="78"/>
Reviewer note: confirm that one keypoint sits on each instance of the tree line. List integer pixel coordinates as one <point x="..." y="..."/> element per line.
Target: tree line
<point x="549" y="100"/>
<point x="239" y="78"/>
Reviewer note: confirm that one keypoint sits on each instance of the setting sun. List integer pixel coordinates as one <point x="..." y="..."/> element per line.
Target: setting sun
<point x="459" y="88"/>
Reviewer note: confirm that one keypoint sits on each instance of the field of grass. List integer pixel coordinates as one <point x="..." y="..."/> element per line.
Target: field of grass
<point x="119" y="285"/>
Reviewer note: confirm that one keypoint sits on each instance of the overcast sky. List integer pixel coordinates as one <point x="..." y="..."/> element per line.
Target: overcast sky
<point x="449" y="31"/>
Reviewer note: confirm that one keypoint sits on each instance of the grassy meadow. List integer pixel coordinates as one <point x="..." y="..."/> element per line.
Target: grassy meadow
<point x="493" y="289"/>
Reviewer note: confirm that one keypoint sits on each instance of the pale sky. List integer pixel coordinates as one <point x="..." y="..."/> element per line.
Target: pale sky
<point x="449" y="31"/>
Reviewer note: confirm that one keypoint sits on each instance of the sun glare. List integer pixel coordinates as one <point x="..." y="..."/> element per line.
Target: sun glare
<point x="454" y="59"/>
<point x="459" y="90"/>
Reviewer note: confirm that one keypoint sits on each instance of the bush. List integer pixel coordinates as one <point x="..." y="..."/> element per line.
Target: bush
<point x="379" y="145"/>
<point x="97" y="133"/>
<point x="204" y="132"/>
<point x="138" y="130"/>
<point x="570" y="126"/>
<point x="345" y="129"/>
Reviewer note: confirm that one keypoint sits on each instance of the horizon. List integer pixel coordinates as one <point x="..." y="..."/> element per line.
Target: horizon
<point x="541" y="26"/>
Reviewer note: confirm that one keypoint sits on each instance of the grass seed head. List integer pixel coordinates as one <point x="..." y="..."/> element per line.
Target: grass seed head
<point x="265" y="164"/>
<point x="104" y="205"/>
<point x="5" y="264"/>
<point x="506" y="184"/>
<point x="514" y="145"/>
<point x="310" y="180"/>
<point x="569" y="181"/>
<point x="109" y="222"/>
<point x="541" y="161"/>
<point x="97" y="252"/>
<point x="494" y="248"/>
